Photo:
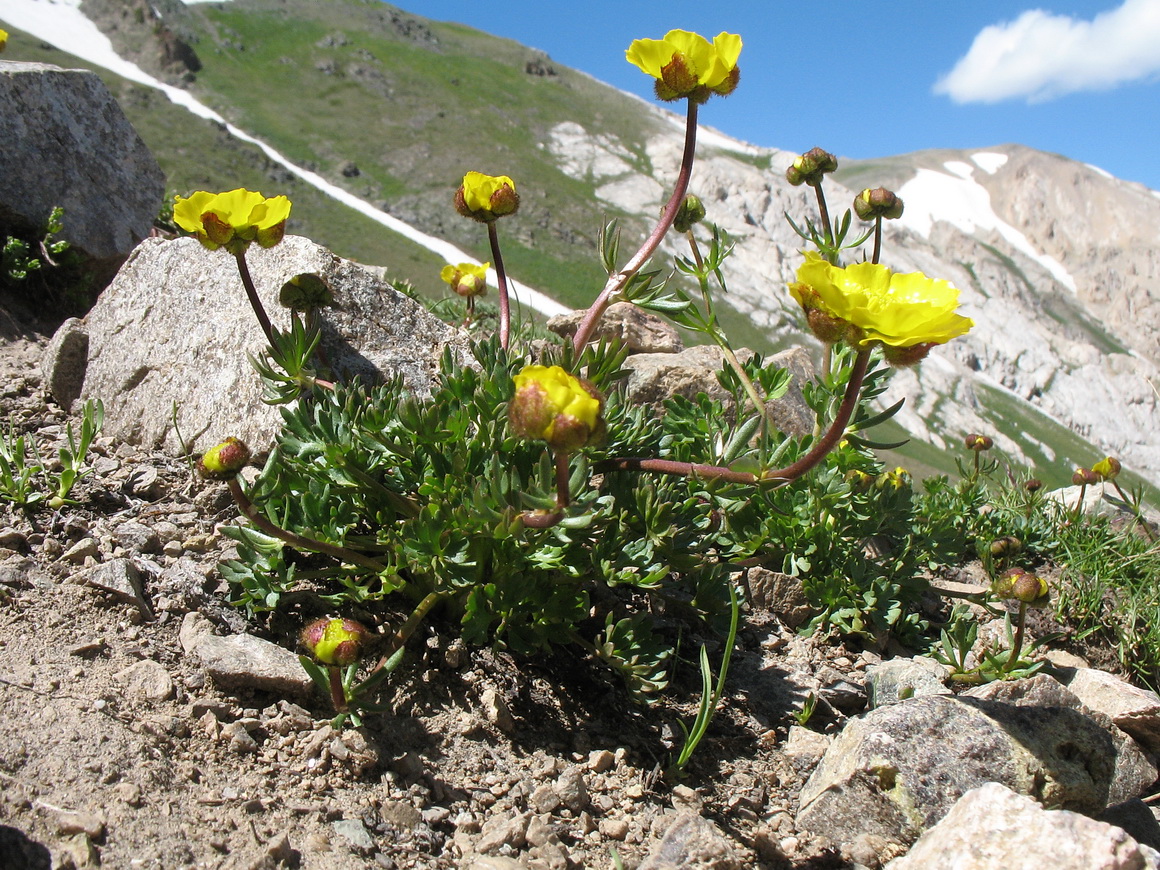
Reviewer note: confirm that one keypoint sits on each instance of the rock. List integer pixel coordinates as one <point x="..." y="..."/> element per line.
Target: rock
<point x="169" y="339"/>
<point x="806" y="745"/>
<point x="356" y="834"/>
<point x="91" y="825"/>
<point x="897" y="770"/>
<point x="692" y="843"/>
<point x="503" y="829"/>
<point x="993" y="827"/>
<point x="1134" y="710"/>
<point x="655" y="377"/>
<point x="899" y="679"/>
<point x="495" y="862"/>
<point x="63" y="366"/>
<point x="242" y="661"/>
<point x="137" y="537"/>
<point x="1135" y="771"/>
<point x="572" y="789"/>
<point x="495" y="709"/>
<point x="147" y="680"/>
<point x="63" y="126"/>
<point x="780" y="594"/>
<point x="639" y="330"/>
<point x="120" y="577"/>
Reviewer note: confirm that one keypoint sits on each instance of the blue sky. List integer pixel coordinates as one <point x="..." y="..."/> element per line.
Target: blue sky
<point x="1078" y="78"/>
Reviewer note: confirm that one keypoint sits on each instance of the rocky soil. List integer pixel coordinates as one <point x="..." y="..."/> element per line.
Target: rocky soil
<point x="120" y="747"/>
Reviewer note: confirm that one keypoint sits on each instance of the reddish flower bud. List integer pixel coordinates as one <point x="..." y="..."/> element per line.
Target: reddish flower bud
<point x="335" y="641"/>
<point x="224" y="460"/>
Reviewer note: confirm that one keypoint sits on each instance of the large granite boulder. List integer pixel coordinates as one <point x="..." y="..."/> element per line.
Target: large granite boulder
<point x="67" y="143"/>
<point x="168" y="341"/>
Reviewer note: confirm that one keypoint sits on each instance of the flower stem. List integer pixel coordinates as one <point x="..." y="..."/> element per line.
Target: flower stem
<point x="547" y="519"/>
<point x="252" y="294"/>
<point x="824" y="214"/>
<point x="404" y="632"/>
<point x="1017" y="645"/>
<point x="255" y="516"/>
<point x="617" y="281"/>
<point x="337" y="690"/>
<point x="501" y="279"/>
<point x="783" y="475"/>
<point x="877" y="239"/>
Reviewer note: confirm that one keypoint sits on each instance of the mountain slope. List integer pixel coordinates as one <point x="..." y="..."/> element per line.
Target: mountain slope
<point x="1053" y="257"/>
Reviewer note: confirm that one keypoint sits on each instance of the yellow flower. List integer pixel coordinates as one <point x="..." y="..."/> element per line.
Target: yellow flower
<point x="486" y="197"/>
<point x="232" y="220"/>
<point x="554" y="406"/>
<point x="686" y="64"/>
<point x="3" y="39"/>
<point x="466" y="279"/>
<point x="1107" y="468"/>
<point x="900" y="311"/>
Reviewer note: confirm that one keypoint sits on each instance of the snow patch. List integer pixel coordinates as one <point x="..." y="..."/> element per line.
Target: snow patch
<point x="989" y="161"/>
<point x="61" y="23"/>
<point x="960" y="200"/>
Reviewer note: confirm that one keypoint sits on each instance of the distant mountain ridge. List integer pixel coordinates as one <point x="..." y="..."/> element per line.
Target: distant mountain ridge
<point x="1054" y="258"/>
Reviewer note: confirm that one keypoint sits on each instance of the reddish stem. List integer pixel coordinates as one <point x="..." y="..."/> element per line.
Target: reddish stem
<point x="616" y="282"/>
<point x="252" y="293"/>
<point x="791" y="472"/>
<point x="501" y="279"/>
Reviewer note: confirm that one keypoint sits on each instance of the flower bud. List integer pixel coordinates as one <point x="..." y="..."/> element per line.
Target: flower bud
<point x="305" y="292"/>
<point x="1034" y="484"/>
<point x="466" y="279"/>
<point x="224" y="460"/>
<point x="485" y="198"/>
<point x="553" y="406"/>
<point x="860" y="481"/>
<point x="1018" y="584"/>
<point x="335" y="641"/>
<point x="3" y="39"/>
<point x="978" y="443"/>
<point x="1085" y="477"/>
<point x="877" y="203"/>
<point x="1107" y="468"/>
<point x="810" y="168"/>
<point x="897" y="479"/>
<point x="692" y="211"/>
<point x="1008" y="545"/>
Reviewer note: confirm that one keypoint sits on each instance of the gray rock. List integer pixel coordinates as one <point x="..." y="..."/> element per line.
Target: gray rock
<point x="655" y="377"/>
<point x="356" y="834"/>
<point x="137" y="537"/>
<point x="242" y="661"/>
<point x="174" y="329"/>
<point x="62" y="126"/>
<point x="572" y="789"/>
<point x="992" y="827"/>
<point x="120" y="577"/>
<point x="504" y="829"/>
<point x="779" y="594"/>
<point x="63" y="366"/>
<point x="1135" y="771"/>
<point x="1135" y="710"/>
<point x="899" y="679"/>
<point x="639" y="330"/>
<point x="692" y="843"/>
<point x="897" y="770"/>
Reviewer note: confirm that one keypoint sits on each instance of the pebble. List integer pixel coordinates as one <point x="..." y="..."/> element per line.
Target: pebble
<point x="146" y="680"/>
<point x="572" y="789"/>
<point x="600" y="760"/>
<point x="89" y="824"/>
<point x="81" y="550"/>
<point x="495" y="709"/>
<point x="614" y="829"/>
<point x="356" y="835"/>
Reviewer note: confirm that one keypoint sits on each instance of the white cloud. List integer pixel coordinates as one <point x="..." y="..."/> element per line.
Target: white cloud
<point x="1040" y="56"/>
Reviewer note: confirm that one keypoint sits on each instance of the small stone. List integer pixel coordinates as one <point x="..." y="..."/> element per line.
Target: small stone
<point x="13" y="539"/>
<point x="128" y="793"/>
<point x="147" y="680"/>
<point x="572" y="789"/>
<point x="614" y="829"/>
<point x="692" y="842"/>
<point x="496" y="710"/>
<point x="89" y="824"/>
<point x="600" y="760"/>
<point x="121" y="578"/>
<point x="544" y="799"/>
<point x="238" y="737"/>
<point x="137" y="538"/>
<point x="81" y="550"/>
<point x="356" y="834"/>
<point x="686" y="798"/>
<point x="244" y="661"/>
